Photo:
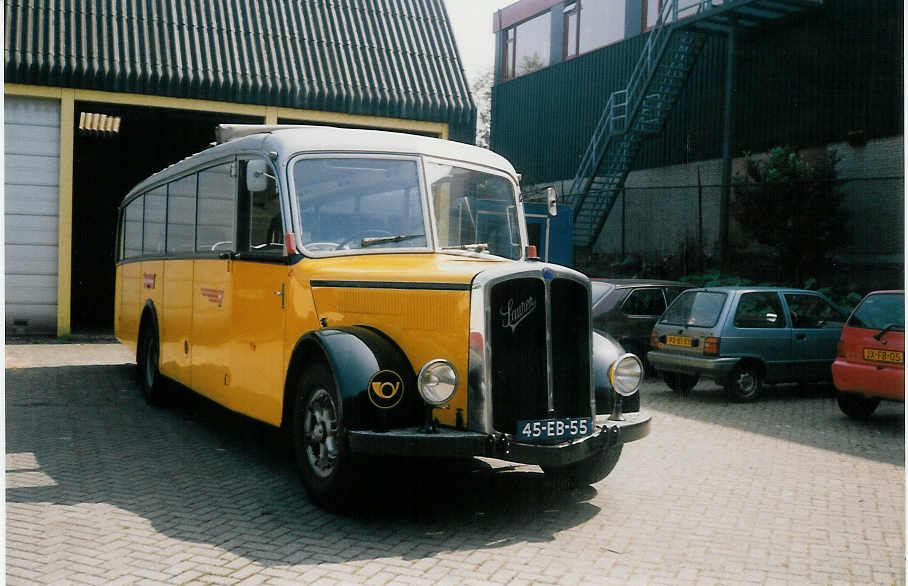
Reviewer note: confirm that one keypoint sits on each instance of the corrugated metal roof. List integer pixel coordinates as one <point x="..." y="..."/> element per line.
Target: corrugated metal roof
<point x="395" y="58"/>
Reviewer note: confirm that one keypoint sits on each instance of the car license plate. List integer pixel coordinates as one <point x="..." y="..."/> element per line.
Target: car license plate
<point x="678" y="341"/>
<point x="546" y="429"/>
<point x="877" y="355"/>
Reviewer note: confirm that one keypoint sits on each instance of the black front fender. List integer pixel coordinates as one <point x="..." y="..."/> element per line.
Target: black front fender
<point x="355" y="354"/>
<point x="607" y="350"/>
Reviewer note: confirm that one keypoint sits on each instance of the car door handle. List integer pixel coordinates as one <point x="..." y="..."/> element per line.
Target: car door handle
<point x="800" y="336"/>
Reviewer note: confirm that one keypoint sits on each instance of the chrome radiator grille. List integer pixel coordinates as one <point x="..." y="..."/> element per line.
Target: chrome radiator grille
<point x="534" y="323"/>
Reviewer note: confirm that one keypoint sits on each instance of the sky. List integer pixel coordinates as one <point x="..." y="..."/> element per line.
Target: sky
<point x="472" y="23"/>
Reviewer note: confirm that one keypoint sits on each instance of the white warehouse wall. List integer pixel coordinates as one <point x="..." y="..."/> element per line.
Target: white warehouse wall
<point x="31" y="209"/>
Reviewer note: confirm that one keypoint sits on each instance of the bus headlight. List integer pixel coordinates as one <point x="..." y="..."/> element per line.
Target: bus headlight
<point x="626" y="374"/>
<point x="437" y="382"/>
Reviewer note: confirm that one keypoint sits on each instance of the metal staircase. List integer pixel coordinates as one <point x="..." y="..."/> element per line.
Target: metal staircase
<point x="670" y="53"/>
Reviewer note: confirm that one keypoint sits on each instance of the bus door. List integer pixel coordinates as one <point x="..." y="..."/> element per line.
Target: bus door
<point x="259" y="274"/>
<point x="212" y="281"/>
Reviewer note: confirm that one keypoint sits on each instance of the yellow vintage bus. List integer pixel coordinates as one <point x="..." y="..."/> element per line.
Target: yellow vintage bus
<point x="371" y="293"/>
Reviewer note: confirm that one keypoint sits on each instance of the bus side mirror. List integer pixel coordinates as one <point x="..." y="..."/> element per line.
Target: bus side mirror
<point x="550" y="199"/>
<point x="257" y="176"/>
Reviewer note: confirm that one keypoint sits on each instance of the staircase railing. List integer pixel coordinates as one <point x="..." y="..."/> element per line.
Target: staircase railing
<point x="631" y="98"/>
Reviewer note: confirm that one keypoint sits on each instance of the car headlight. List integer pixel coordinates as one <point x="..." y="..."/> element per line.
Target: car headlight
<point x="437" y="382"/>
<point x="626" y="374"/>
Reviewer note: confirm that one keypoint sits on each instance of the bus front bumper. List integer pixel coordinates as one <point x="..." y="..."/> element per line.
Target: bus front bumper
<point x="452" y="443"/>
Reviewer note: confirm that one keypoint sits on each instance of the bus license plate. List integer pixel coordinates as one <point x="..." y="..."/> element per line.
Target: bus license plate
<point x="547" y="429"/>
<point x="877" y="355"/>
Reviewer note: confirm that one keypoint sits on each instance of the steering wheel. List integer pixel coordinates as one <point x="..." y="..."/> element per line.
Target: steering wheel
<point x="345" y="243"/>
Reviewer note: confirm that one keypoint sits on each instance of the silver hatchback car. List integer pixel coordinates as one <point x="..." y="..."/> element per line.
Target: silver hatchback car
<point x="745" y="336"/>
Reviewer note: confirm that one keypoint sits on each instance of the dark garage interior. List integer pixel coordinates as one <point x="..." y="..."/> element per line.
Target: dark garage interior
<point x="106" y="166"/>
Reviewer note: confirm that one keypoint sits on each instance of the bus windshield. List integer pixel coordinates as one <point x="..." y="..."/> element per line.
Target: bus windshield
<point x="351" y="203"/>
<point x="474" y="211"/>
<point x="356" y="203"/>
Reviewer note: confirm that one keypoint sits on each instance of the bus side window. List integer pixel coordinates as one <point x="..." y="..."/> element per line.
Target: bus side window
<point x="155" y="210"/>
<point x="261" y="228"/>
<point x="216" y="209"/>
<point x="132" y="228"/>
<point x="181" y="215"/>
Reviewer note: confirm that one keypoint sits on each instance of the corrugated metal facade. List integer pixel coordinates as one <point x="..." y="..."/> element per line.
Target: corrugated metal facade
<point x="392" y="58"/>
<point x="809" y="82"/>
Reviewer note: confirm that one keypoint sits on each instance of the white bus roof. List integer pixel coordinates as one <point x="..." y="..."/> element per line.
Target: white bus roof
<point x="292" y="139"/>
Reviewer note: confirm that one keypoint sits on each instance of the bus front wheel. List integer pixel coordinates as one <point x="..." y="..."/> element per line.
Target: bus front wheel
<point x="319" y="439"/>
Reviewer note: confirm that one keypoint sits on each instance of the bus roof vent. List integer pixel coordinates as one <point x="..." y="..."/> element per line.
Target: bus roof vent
<point x="227" y="132"/>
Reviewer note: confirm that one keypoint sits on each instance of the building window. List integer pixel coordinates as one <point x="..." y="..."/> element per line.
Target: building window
<point x="601" y="23"/>
<point x="507" y="55"/>
<point x="687" y="8"/>
<point x="527" y="46"/>
<point x="651" y="11"/>
<point x="571" y="30"/>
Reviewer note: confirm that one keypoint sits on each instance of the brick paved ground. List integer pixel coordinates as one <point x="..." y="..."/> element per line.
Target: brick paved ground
<point x="102" y="489"/>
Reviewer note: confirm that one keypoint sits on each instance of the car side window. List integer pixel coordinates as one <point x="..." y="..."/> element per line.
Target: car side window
<point x="811" y="311"/>
<point x="760" y="309"/>
<point x="671" y="293"/>
<point x="644" y="302"/>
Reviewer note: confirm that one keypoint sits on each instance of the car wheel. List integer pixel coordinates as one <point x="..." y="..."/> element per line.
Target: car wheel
<point x="745" y="383"/>
<point x="587" y="471"/>
<point x="149" y="355"/>
<point x="680" y="383"/>
<point x="857" y="406"/>
<point x="319" y="439"/>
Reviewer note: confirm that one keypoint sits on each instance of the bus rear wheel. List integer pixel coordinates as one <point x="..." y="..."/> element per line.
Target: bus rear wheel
<point x="150" y="378"/>
<point x="319" y="439"/>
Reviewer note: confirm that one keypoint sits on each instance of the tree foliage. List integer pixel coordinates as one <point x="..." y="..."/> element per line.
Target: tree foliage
<point x="481" y="88"/>
<point x="792" y="207"/>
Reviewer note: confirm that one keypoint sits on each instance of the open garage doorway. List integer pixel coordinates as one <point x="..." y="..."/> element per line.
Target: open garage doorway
<point x="124" y="148"/>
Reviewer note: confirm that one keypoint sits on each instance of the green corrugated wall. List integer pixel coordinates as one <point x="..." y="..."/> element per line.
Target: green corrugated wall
<point x="807" y="82"/>
<point x="394" y="58"/>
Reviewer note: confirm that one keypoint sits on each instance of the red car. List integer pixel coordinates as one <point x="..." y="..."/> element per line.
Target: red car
<point x="870" y="362"/>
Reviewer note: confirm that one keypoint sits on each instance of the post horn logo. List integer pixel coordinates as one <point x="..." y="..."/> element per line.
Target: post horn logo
<point x="386" y="389"/>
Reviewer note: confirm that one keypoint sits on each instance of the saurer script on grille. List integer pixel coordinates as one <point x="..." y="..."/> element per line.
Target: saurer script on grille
<point x="512" y="315"/>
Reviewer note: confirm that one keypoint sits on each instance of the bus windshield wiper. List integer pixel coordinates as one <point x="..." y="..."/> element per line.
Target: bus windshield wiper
<point x="381" y="239"/>
<point x="477" y="247"/>
<point x="888" y="327"/>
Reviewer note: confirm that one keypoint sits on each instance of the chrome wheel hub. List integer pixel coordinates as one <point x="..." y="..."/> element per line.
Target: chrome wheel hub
<point x="746" y="382"/>
<point x="320" y="431"/>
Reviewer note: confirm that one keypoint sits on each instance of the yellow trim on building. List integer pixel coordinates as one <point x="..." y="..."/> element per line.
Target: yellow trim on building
<point x="269" y="114"/>
<point x="65" y="214"/>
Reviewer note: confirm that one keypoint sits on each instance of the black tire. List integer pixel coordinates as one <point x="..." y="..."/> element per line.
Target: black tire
<point x="857" y="406"/>
<point x="589" y="471"/>
<point x="680" y="383"/>
<point x="745" y="383"/>
<point x="319" y="440"/>
<point x="148" y="362"/>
